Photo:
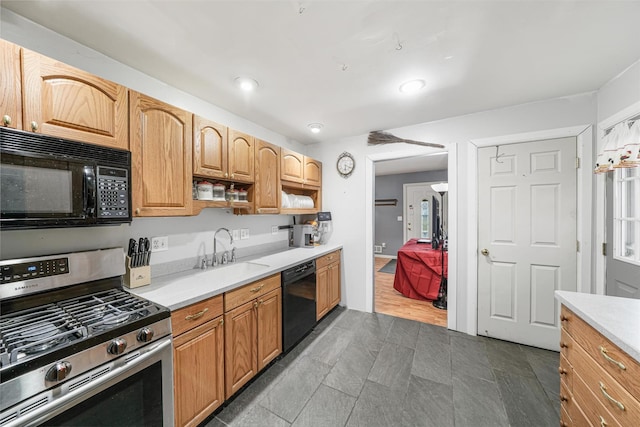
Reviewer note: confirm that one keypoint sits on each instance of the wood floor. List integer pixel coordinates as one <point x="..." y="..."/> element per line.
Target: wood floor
<point x="393" y="303"/>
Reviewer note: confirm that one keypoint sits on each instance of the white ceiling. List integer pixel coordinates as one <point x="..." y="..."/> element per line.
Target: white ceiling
<point x="340" y="63"/>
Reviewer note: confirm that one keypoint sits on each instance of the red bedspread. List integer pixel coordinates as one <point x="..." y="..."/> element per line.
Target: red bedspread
<point x="418" y="270"/>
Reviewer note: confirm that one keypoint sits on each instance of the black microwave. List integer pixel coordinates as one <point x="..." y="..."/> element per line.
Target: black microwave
<point x="49" y="182"/>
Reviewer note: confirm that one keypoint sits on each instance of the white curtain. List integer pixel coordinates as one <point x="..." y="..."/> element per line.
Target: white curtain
<point x="621" y="148"/>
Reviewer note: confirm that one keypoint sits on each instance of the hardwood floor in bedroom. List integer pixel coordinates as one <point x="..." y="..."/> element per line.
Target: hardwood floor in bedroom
<point x="393" y="303"/>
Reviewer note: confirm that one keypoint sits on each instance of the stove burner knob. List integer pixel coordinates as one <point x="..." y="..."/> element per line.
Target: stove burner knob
<point x="117" y="346"/>
<point x="59" y="371"/>
<point x="145" y="335"/>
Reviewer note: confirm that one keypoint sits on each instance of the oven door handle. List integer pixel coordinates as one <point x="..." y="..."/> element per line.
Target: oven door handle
<point x="91" y="388"/>
<point x="89" y="190"/>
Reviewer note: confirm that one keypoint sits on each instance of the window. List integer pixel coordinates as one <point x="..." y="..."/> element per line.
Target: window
<point x="425" y="219"/>
<point x="626" y="215"/>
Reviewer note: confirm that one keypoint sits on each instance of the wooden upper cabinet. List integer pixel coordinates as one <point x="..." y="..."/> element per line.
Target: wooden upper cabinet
<point x="62" y="101"/>
<point x="296" y="167"/>
<point x="267" y="178"/>
<point x="241" y="156"/>
<point x="161" y="146"/>
<point x="292" y="166"/>
<point x="10" y="83"/>
<point x="312" y="172"/>
<point x="209" y="148"/>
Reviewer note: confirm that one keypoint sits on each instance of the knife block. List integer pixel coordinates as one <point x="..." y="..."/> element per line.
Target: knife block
<point x="134" y="277"/>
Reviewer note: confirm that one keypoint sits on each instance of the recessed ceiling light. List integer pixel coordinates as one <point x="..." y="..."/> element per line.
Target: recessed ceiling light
<point x="247" y="84"/>
<point x="315" y="127"/>
<point x="412" y="86"/>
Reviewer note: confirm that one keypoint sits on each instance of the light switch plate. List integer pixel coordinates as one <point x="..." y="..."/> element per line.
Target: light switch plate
<point x="399" y="218"/>
<point x="244" y="233"/>
<point x="235" y="234"/>
<point x="274" y="229"/>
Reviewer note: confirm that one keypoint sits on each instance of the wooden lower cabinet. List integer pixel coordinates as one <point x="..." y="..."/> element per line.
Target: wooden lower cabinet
<point x="253" y="331"/>
<point x="327" y="283"/>
<point x="198" y="361"/>
<point x="599" y="382"/>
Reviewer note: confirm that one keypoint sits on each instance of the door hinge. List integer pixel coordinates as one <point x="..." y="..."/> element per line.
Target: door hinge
<point x="604" y="249"/>
<point x="577" y="162"/>
<point x="577" y="245"/>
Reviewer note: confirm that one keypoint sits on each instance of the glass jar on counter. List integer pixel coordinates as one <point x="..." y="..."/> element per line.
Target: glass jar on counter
<point x="218" y="191"/>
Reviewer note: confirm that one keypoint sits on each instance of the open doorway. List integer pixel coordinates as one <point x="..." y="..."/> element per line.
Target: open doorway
<point x="399" y="220"/>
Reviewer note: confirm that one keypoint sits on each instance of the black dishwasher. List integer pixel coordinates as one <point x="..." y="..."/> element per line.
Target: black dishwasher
<point x="298" y="302"/>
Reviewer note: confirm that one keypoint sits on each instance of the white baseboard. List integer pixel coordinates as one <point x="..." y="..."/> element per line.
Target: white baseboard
<point x="386" y="256"/>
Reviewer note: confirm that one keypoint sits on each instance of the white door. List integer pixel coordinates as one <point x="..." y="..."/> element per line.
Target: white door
<point x="417" y="210"/>
<point x="526" y="239"/>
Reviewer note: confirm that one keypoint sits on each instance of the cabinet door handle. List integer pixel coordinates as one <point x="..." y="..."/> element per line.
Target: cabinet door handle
<point x="564" y="318"/>
<point x="562" y="371"/>
<point x="221" y="322"/>
<point x="34" y="126"/>
<point x="564" y="398"/>
<point x="257" y="288"/>
<point x="620" y="365"/>
<point x="563" y="344"/>
<point x="196" y="315"/>
<point x="603" y="389"/>
<point x="603" y="423"/>
<point x="6" y="120"/>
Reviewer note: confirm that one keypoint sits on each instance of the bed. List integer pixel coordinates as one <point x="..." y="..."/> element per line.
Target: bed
<point x="418" y="270"/>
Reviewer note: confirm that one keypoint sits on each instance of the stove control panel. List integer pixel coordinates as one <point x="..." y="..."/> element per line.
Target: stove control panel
<point x="33" y="270"/>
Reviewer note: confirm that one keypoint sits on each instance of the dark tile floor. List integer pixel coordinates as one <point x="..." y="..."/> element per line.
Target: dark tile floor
<point x="362" y="369"/>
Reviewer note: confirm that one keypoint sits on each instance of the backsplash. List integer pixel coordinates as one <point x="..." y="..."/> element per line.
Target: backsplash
<point x="190" y="238"/>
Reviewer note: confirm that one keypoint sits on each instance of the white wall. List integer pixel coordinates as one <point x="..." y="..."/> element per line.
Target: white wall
<point x="619" y="93"/>
<point x="188" y="236"/>
<point x="346" y="198"/>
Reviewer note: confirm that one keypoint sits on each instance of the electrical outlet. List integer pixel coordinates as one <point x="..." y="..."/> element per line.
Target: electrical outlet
<point x="235" y="234"/>
<point x="159" y="244"/>
<point x="244" y="233"/>
<point x="384" y="245"/>
<point x="274" y="229"/>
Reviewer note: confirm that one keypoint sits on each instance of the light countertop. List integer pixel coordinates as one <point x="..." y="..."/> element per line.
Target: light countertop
<point x="181" y="289"/>
<point x="616" y="318"/>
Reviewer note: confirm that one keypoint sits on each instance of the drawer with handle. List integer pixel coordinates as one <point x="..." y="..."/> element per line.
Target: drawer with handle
<point x="594" y="411"/>
<point x="237" y="297"/>
<point x="608" y="392"/>
<point x="327" y="259"/>
<point x="622" y="367"/>
<point x="196" y="314"/>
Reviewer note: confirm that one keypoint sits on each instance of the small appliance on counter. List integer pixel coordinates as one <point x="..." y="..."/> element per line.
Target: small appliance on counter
<point x="324" y="228"/>
<point x="303" y="235"/>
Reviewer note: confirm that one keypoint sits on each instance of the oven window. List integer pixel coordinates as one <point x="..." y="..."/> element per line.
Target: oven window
<point x="36" y="190"/>
<point x="41" y="188"/>
<point x="135" y="401"/>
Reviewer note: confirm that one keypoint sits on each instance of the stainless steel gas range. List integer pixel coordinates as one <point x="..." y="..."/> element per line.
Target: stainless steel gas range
<point x="76" y="349"/>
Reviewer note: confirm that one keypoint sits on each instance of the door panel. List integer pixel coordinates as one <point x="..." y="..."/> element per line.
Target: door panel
<point x="414" y="196"/>
<point x="269" y="327"/>
<point x="530" y="241"/>
<point x="240" y="347"/>
<point x="622" y="277"/>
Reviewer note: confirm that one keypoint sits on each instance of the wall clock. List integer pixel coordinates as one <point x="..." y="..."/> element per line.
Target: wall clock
<point x="345" y="164"/>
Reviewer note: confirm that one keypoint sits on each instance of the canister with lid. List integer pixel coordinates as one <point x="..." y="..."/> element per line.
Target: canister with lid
<point x="232" y="195"/>
<point x="242" y="195"/>
<point x="218" y="191"/>
<point x="205" y="190"/>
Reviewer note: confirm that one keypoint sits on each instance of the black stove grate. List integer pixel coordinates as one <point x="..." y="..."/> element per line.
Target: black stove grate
<point x="29" y="333"/>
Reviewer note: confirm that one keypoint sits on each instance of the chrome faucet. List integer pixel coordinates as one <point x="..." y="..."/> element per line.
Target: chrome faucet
<point x="214" y="262"/>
